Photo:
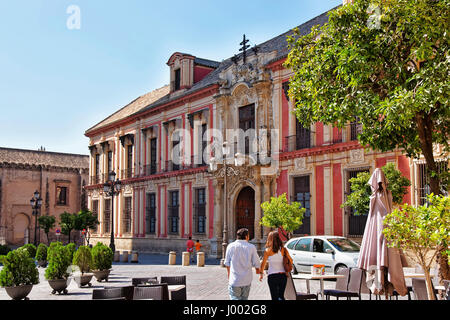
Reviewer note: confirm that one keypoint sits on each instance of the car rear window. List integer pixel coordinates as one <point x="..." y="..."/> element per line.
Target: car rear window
<point x="344" y="245"/>
<point x="291" y="244"/>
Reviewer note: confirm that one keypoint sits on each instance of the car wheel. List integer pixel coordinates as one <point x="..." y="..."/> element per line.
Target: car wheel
<point x="339" y="267"/>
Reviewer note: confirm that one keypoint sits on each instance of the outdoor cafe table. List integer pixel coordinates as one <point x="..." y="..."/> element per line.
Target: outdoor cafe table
<point x="308" y="277"/>
<point x="175" y="287"/>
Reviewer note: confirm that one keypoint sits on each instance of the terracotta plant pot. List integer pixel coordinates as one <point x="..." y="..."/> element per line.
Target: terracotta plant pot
<point x="19" y="292"/>
<point x="83" y="279"/>
<point x="101" y="275"/>
<point x="59" y="285"/>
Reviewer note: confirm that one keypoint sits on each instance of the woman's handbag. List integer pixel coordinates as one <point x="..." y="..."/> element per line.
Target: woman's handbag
<point x="286" y="262"/>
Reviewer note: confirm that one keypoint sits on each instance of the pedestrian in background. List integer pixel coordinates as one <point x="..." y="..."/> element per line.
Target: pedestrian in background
<point x="277" y="276"/>
<point x="240" y="257"/>
<point x="190" y="249"/>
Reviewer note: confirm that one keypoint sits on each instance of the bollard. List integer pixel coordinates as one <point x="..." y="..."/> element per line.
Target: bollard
<point x="200" y="259"/>
<point x="134" y="257"/>
<point x="172" y="257"/>
<point x="116" y="256"/>
<point x="124" y="256"/>
<point x="185" y="261"/>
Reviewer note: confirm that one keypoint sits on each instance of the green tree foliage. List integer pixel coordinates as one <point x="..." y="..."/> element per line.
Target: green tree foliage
<point x="102" y="257"/>
<point x="47" y="223"/>
<point x="31" y="248"/>
<point x="278" y="213"/>
<point x="72" y="248"/>
<point x="58" y="261"/>
<point x="86" y="220"/>
<point x="18" y="269"/>
<point x="67" y="223"/>
<point x="41" y="252"/>
<point x="385" y="62"/>
<point x="419" y="231"/>
<point x="83" y="258"/>
<point x="359" y="199"/>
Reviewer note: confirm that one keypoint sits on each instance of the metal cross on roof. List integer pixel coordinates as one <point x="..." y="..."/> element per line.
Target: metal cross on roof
<point x="244" y="48"/>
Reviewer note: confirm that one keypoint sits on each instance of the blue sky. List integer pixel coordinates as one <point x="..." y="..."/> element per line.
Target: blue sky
<point x="56" y="82"/>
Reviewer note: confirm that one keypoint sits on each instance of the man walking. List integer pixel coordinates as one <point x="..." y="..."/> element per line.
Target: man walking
<point x="240" y="257"/>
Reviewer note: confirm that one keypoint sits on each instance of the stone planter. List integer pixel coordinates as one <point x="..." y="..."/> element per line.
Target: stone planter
<point x="83" y="279"/>
<point x="101" y="275"/>
<point x="42" y="263"/>
<point x="59" y="285"/>
<point x="19" y="292"/>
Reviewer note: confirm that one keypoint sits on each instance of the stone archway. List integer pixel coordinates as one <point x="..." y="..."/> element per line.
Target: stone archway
<point x="245" y="210"/>
<point x="21" y="229"/>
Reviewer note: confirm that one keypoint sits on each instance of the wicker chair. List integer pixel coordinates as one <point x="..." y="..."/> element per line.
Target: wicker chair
<point x="290" y="293"/>
<point x="165" y="289"/>
<point x="176" y="280"/>
<point x="150" y="280"/>
<point x="155" y="292"/>
<point x="342" y="285"/>
<point x="107" y="294"/>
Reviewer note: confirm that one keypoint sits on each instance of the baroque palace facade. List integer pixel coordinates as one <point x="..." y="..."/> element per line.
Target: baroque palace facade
<point x="163" y="201"/>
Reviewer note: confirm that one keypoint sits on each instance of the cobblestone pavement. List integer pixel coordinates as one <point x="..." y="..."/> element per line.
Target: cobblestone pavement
<point x="203" y="283"/>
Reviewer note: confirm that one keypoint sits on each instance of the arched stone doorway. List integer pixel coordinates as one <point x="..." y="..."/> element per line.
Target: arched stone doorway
<point x="21" y="229"/>
<point x="245" y="210"/>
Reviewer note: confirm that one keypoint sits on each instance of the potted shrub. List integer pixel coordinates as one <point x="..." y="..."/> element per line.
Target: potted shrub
<point x="41" y="255"/>
<point x="102" y="257"/>
<point x="83" y="259"/>
<point x="57" y="272"/>
<point x="19" y="274"/>
<point x="31" y="248"/>
<point x="72" y="248"/>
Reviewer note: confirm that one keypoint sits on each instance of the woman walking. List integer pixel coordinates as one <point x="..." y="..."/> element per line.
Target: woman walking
<point x="277" y="275"/>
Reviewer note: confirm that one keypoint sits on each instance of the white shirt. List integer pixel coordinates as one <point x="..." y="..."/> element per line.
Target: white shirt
<point x="241" y="256"/>
<point x="275" y="263"/>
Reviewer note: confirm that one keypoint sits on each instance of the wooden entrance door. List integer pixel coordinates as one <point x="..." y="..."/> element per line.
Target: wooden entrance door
<point x="245" y="211"/>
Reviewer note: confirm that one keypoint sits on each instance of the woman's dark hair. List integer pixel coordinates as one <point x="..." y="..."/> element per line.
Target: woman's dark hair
<point x="274" y="241"/>
<point x="242" y="233"/>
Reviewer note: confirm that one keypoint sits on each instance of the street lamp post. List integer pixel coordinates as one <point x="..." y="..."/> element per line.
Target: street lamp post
<point x="224" y="172"/>
<point x="36" y="203"/>
<point x="111" y="188"/>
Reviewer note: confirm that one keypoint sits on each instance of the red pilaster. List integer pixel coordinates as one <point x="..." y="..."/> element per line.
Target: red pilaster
<point x="337" y="199"/>
<point x="211" y="208"/>
<point x="283" y="184"/>
<point x="320" y="229"/>
<point x="182" y="210"/>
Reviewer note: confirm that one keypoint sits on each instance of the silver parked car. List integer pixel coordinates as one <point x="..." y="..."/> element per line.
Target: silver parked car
<point x="332" y="251"/>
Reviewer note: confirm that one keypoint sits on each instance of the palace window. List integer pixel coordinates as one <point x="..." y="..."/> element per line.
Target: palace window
<point x="110" y="163"/>
<point x="94" y="209"/>
<point x="173" y="215"/>
<point x="129" y="170"/>
<point x="126" y="220"/>
<point x="355" y="129"/>
<point x="153" y="150"/>
<point x="107" y="216"/>
<point x="177" y="83"/>
<point x="247" y="121"/>
<point x="150" y="214"/>
<point x="302" y="195"/>
<point x="61" y="196"/>
<point x="200" y="210"/>
<point x="423" y="187"/>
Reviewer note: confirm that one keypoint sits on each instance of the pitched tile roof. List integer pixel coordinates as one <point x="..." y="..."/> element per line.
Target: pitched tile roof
<point x="43" y="158"/>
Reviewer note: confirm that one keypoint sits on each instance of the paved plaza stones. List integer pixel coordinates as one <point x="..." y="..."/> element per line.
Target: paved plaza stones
<point x="203" y="283"/>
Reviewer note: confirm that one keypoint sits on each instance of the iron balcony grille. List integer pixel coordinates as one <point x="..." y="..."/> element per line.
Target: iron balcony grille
<point x="200" y="218"/>
<point x="150" y="221"/>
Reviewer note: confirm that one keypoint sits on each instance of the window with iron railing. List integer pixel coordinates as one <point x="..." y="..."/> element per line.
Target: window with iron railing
<point x="355" y="129"/>
<point x="150" y="215"/>
<point x="94" y="210"/>
<point x="303" y="196"/>
<point x="200" y="210"/>
<point x="127" y="211"/>
<point x="423" y="188"/>
<point x="153" y="150"/>
<point x="173" y="212"/>
<point x="107" y="216"/>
